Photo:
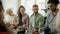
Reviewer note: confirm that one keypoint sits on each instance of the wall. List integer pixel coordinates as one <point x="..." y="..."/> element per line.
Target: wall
<point x="13" y="4"/>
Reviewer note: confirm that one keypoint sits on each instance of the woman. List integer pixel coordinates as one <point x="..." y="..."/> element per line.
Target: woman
<point x="23" y="18"/>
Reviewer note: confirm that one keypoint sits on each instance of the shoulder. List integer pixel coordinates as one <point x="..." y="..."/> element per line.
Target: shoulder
<point x="26" y="15"/>
<point x="58" y="11"/>
<point x="15" y="16"/>
<point x="31" y="15"/>
<point x="40" y="15"/>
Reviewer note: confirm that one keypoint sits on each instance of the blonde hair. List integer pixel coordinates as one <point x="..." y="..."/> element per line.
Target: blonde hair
<point x="9" y="11"/>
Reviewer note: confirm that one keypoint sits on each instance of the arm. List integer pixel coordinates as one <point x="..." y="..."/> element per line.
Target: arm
<point x="41" y="21"/>
<point x="16" y="20"/>
<point x="27" y="22"/>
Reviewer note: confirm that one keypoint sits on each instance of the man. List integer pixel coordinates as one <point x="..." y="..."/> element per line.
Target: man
<point x="36" y="19"/>
<point x="50" y="22"/>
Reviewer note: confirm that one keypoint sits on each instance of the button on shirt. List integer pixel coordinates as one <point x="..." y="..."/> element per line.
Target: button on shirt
<point x="36" y="20"/>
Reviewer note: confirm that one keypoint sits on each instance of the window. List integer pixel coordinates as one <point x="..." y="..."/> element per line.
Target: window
<point x="29" y="3"/>
<point x="13" y="4"/>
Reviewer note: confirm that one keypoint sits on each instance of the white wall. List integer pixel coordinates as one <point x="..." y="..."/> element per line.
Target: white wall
<point x="13" y="4"/>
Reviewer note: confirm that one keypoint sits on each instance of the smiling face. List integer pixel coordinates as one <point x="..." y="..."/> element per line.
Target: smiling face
<point x="35" y="8"/>
<point x="52" y="6"/>
<point x="22" y="11"/>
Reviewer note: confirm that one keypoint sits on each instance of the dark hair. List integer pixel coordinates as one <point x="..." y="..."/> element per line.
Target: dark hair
<point x="22" y="7"/>
<point x="1" y="6"/>
<point x="53" y="1"/>
<point x="2" y="24"/>
<point x="20" y="16"/>
<point x="3" y="27"/>
<point x="35" y="5"/>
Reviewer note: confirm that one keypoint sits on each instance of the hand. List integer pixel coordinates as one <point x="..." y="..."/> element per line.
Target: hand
<point x="37" y="27"/>
<point x="26" y="28"/>
<point x="19" y="27"/>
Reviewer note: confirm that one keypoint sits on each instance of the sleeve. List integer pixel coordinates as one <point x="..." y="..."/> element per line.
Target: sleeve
<point x="27" y="21"/>
<point x="57" y="26"/>
<point x="30" y="23"/>
<point x="15" y="19"/>
<point x="41" y="21"/>
<point x="46" y="24"/>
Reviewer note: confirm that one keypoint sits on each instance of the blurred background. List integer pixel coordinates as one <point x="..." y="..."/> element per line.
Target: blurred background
<point x="14" y="4"/>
